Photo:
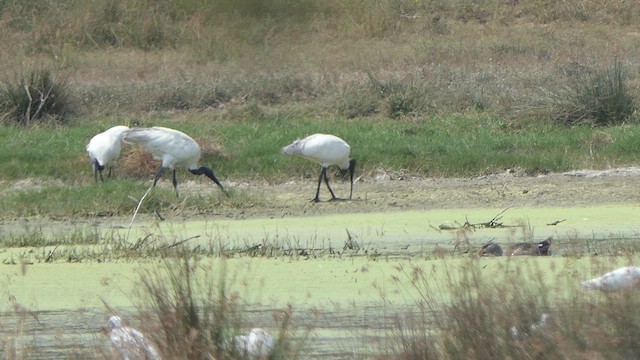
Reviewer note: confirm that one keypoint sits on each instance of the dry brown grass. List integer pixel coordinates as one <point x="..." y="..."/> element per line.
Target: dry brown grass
<point x="472" y="56"/>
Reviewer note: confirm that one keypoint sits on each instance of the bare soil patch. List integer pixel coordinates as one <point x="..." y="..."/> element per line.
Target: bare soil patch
<point x="392" y="192"/>
<point x="385" y="192"/>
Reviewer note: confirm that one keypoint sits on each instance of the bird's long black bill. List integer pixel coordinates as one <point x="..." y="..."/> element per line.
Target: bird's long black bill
<point x="95" y="171"/>
<point x="209" y="173"/>
<point x="352" y="170"/>
<point x="97" y="168"/>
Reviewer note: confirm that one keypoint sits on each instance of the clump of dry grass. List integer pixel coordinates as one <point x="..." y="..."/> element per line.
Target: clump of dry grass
<point x="137" y="163"/>
<point x="34" y="96"/>
<point x="191" y="312"/>
<point x="482" y="56"/>
<point x="513" y="316"/>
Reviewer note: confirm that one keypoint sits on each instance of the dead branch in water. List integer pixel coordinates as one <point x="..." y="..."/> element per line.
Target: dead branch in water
<point x="556" y="222"/>
<point x="491" y="224"/>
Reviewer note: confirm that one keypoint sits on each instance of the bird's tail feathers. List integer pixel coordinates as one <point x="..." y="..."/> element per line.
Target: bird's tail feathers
<point x="590" y="284"/>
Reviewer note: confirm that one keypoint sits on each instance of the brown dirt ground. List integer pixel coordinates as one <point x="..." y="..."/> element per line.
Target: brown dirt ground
<point x="396" y="192"/>
<point x="386" y="192"/>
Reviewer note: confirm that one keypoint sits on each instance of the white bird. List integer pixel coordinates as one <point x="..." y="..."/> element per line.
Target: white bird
<point x="624" y="278"/>
<point x="545" y="320"/>
<point x="104" y="148"/>
<point x="326" y="150"/>
<point x="174" y="148"/>
<point x="257" y="345"/>
<point x="129" y="343"/>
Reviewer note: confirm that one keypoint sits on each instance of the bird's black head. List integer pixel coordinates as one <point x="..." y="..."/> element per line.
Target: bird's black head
<point x="97" y="168"/>
<point x="543" y="246"/>
<point x="96" y="164"/>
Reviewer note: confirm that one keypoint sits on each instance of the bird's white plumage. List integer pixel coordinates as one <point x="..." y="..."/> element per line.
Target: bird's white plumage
<point x="129" y="343"/>
<point x="174" y="148"/>
<point x="624" y="278"/>
<point x="105" y="147"/>
<point x="324" y="149"/>
<point x="544" y="321"/>
<point x="257" y="345"/>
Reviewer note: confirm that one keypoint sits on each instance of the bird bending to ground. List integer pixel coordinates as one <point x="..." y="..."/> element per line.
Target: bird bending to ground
<point x="174" y="148"/>
<point x="257" y="345"/>
<point x="104" y="148"/>
<point x="129" y="343"/>
<point x="326" y="150"/>
<point x="626" y="277"/>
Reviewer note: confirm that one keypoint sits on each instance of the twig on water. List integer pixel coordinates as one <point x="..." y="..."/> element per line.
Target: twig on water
<point x="50" y="256"/>
<point x="556" y="222"/>
<point x="181" y="242"/>
<point x="492" y="224"/>
<point x="136" y="212"/>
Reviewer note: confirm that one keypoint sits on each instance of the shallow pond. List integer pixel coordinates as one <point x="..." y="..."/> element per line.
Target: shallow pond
<point x="348" y="297"/>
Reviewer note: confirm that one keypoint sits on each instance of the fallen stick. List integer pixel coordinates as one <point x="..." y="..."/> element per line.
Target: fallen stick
<point x="556" y="222"/>
<point x="136" y="212"/>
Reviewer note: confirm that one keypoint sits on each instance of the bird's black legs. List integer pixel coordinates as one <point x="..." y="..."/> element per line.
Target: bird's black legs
<point x="323" y="173"/>
<point x="203" y="170"/>
<point x="175" y="182"/>
<point x="109" y="174"/>
<point x="326" y="181"/>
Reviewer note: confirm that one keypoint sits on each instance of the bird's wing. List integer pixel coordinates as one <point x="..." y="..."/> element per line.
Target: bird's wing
<point x="322" y="148"/>
<point x="151" y="139"/>
<point x="159" y="141"/>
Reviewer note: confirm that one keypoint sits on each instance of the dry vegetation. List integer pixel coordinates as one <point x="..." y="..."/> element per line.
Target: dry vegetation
<point x="411" y="60"/>
<point x="394" y="58"/>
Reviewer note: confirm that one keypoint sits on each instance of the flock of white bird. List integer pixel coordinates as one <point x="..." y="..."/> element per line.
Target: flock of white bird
<point x="128" y="343"/>
<point x="178" y="150"/>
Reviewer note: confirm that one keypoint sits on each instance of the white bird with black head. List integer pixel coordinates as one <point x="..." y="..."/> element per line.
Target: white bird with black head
<point x="174" y="148"/>
<point x="104" y="149"/>
<point x="326" y="150"/>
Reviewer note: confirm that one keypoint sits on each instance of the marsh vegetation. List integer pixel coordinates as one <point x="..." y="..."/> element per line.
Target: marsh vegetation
<point x="454" y="109"/>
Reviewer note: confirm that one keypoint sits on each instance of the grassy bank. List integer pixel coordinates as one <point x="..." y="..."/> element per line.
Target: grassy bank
<point x="46" y="169"/>
<point x="428" y="88"/>
<point x="450" y="145"/>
